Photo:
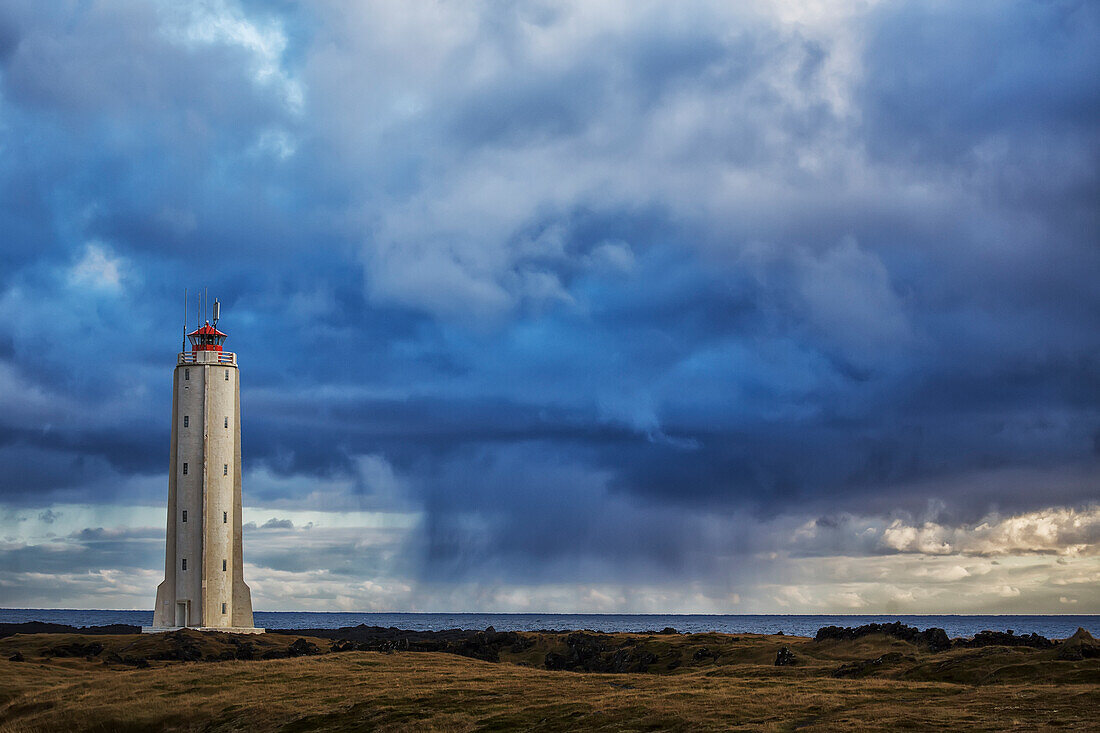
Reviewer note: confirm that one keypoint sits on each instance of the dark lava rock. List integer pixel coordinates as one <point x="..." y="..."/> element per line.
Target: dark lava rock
<point x="1005" y="638"/>
<point x="485" y="645"/>
<point x="302" y="648"/>
<point x="630" y="660"/>
<point x="592" y="652"/>
<point x="181" y="648"/>
<point x="76" y="649"/>
<point x="668" y="630"/>
<point x="522" y="644"/>
<point x="1079" y="646"/>
<point x="38" y="627"/>
<point x="935" y="639"/>
<point x="380" y="639"/>
<point x="865" y="667"/>
<point x="585" y="649"/>
<point x="478" y="646"/>
<point x="112" y="629"/>
<point x="116" y="658"/>
<point x="704" y="653"/>
<point x="17" y="657"/>
<point x="555" y="661"/>
<point x="299" y="647"/>
<point x="784" y="657"/>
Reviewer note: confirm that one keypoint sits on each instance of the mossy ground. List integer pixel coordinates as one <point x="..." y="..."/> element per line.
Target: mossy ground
<point x="994" y="688"/>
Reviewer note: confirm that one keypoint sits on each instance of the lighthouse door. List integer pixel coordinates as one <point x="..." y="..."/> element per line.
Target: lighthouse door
<point x="181" y="613"/>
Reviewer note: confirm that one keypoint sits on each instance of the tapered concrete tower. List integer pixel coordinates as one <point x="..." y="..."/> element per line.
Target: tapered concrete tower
<point x="204" y="584"/>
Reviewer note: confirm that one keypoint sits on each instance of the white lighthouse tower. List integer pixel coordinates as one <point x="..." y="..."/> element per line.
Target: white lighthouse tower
<point x="204" y="584"/>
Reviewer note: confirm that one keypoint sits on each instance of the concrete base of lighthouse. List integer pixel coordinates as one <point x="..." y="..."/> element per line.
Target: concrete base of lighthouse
<point x="223" y="629"/>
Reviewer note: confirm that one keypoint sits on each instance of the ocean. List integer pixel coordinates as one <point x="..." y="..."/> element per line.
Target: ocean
<point x="1053" y="627"/>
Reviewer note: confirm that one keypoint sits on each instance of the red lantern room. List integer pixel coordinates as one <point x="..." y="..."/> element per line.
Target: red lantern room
<point x="206" y="338"/>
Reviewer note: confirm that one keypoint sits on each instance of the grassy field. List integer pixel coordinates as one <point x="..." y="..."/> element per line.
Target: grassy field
<point x="733" y="686"/>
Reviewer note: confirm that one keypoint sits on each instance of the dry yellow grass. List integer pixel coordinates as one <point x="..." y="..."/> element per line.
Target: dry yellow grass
<point x="434" y="691"/>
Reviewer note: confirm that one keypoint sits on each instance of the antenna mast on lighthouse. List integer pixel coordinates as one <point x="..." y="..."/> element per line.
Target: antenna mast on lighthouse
<point x="183" y="347"/>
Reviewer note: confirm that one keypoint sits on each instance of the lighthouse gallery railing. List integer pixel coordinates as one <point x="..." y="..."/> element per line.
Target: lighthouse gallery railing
<point x="223" y="357"/>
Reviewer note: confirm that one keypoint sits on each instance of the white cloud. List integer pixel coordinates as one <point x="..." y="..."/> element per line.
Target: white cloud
<point x="1057" y="530"/>
<point x="224" y="22"/>
<point x="521" y="136"/>
<point x="276" y="143"/>
<point x="611" y="255"/>
<point x="98" y="268"/>
<point x="926" y="539"/>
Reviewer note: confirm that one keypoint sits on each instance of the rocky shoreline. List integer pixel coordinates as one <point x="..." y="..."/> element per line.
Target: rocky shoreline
<point x="872" y="677"/>
<point x="578" y="651"/>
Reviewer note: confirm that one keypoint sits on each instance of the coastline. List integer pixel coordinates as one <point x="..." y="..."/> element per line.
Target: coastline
<point x="1050" y="625"/>
<point x="865" y="678"/>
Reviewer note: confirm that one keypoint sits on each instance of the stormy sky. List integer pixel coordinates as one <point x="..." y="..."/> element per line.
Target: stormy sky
<point x="563" y="306"/>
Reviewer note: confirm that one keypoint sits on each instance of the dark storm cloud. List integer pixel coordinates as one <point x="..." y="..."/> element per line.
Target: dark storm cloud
<point x="945" y="78"/>
<point x="576" y="277"/>
<point x="89" y="550"/>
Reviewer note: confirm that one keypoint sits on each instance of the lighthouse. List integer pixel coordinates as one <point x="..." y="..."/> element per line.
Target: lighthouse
<point x="204" y="584"/>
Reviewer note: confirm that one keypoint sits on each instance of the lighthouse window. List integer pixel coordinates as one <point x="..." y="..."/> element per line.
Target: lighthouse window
<point x="186" y="373"/>
<point x="223" y="608"/>
<point x="227" y="422"/>
<point x="186" y="420"/>
<point x="223" y="565"/>
<point x="225" y="517"/>
<point x="227" y="375"/>
<point x="185" y="563"/>
<point x="185" y="515"/>
<point x="185" y="469"/>
<point x="225" y="469"/>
